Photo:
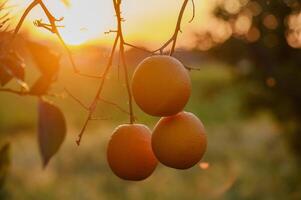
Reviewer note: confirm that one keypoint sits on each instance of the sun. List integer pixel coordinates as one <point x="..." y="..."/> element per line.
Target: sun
<point x="85" y="21"/>
<point x="147" y="23"/>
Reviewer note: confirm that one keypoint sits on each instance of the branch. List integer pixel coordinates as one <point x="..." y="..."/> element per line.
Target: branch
<point x="139" y="48"/>
<point x="173" y="39"/>
<point x="178" y="27"/>
<point x="119" y="38"/>
<point x="114" y="104"/>
<point x="123" y="60"/>
<point x="76" y="99"/>
<point x="21" y="21"/>
<point x="93" y="105"/>
<point x="193" y="11"/>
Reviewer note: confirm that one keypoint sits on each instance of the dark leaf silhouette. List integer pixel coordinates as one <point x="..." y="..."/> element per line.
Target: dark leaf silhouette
<point x="4" y="76"/>
<point x="41" y="86"/>
<point x="51" y="130"/>
<point x="4" y="163"/>
<point x="46" y="60"/>
<point x="11" y="66"/>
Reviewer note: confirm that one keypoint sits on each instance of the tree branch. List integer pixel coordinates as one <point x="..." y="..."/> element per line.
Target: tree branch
<point x="76" y="99"/>
<point x="173" y="39"/>
<point x="93" y="105"/>
<point x="26" y="12"/>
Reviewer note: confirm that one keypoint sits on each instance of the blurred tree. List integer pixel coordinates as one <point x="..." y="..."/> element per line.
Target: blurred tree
<point x="262" y="39"/>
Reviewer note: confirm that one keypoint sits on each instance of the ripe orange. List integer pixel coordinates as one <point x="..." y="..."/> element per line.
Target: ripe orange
<point x="161" y="86"/>
<point x="130" y="154"/>
<point x="179" y="141"/>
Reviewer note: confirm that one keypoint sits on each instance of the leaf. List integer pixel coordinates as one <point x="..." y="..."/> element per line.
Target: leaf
<point x="46" y="60"/>
<point x="4" y="76"/>
<point x="12" y="66"/>
<point x="51" y="130"/>
<point x="4" y="163"/>
<point x="41" y="86"/>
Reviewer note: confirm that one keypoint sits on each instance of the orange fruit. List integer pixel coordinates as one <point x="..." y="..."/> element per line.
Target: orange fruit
<point x="130" y="154"/>
<point x="179" y="141"/>
<point x="161" y="85"/>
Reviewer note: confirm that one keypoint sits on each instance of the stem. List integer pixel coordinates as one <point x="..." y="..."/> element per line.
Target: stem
<point x="119" y="38"/>
<point x="178" y="27"/>
<point x="174" y="37"/>
<point x="122" y="55"/>
<point x="93" y="105"/>
<point x="21" y="21"/>
<point x="126" y="74"/>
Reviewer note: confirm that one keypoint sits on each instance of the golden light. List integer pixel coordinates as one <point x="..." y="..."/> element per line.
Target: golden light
<point x="253" y="35"/>
<point x="242" y="24"/>
<point x="84" y="22"/>
<point x="147" y="23"/>
<point x="204" y="165"/>
<point x="270" y="21"/>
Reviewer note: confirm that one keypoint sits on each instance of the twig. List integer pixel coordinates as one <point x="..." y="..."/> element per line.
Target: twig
<point x="76" y="99"/>
<point x="53" y="28"/>
<point x="178" y="27"/>
<point x="114" y="104"/>
<point x="26" y="12"/>
<point x="193" y="11"/>
<point x="98" y="118"/>
<point x="139" y="48"/>
<point x="173" y="39"/>
<point x="93" y="105"/>
<point x="192" y="68"/>
<point x="119" y="38"/>
<point x="123" y="60"/>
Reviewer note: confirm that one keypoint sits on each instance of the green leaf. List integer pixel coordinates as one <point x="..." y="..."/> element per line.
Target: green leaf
<point x="4" y="163"/>
<point x="51" y="130"/>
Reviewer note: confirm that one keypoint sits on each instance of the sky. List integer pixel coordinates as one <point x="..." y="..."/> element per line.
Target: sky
<point x="146" y="22"/>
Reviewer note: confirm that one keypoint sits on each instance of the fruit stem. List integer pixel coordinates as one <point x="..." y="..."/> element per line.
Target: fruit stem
<point x="117" y="5"/>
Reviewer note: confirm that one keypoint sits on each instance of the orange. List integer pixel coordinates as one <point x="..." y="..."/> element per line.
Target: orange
<point x="130" y="154"/>
<point x="161" y="85"/>
<point x="179" y="141"/>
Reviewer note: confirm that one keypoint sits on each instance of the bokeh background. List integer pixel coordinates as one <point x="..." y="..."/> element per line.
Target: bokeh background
<point x="246" y="90"/>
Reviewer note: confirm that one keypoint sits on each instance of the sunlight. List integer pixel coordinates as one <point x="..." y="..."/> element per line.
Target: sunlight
<point x="86" y="21"/>
<point x="82" y="21"/>
<point x="80" y="28"/>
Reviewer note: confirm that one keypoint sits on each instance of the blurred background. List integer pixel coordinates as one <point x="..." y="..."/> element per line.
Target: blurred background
<point x="246" y="90"/>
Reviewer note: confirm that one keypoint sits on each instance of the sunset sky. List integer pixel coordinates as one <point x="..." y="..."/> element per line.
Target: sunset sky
<point x="147" y="22"/>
